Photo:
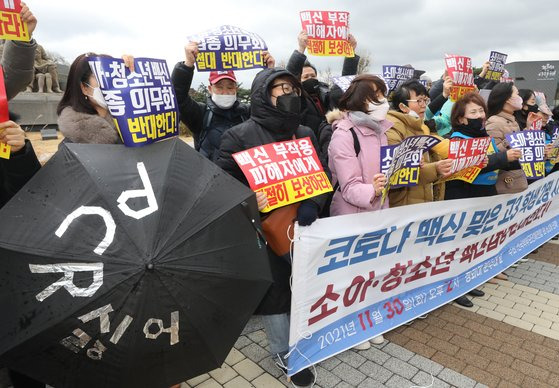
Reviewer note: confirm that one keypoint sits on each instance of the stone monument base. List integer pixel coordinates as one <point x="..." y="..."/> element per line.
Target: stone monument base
<point x="36" y="110"/>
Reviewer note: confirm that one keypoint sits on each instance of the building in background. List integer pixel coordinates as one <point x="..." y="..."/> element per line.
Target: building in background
<point x="537" y="75"/>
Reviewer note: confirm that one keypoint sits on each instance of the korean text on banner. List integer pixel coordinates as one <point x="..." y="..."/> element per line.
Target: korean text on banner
<point x="143" y="104"/>
<point x="344" y="81"/>
<point x="532" y="144"/>
<point x="5" y="149"/>
<point x="328" y="33"/>
<point x="555" y="146"/>
<point x="11" y="25"/>
<point x="395" y="76"/>
<point x="360" y="275"/>
<point x="459" y="68"/>
<point x="497" y="62"/>
<point x="287" y="171"/>
<point x="467" y="157"/>
<point x="229" y="48"/>
<point x="401" y="163"/>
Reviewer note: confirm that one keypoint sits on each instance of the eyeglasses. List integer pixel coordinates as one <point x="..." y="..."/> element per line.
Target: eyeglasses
<point x="287" y="88"/>
<point x="421" y="101"/>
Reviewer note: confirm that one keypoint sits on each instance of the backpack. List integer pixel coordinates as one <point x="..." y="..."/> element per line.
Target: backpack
<point x="357" y="147"/>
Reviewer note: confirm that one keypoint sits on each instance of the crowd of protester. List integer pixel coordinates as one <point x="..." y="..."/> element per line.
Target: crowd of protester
<point x="347" y="130"/>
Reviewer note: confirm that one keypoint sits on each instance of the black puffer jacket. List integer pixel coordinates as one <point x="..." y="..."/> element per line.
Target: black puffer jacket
<point x="207" y="135"/>
<point x="311" y="112"/>
<point x="266" y="125"/>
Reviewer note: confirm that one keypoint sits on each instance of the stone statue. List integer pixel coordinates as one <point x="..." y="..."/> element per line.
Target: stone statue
<point x="46" y="73"/>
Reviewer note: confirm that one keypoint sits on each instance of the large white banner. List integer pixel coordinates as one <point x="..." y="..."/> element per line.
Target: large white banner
<point x="360" y="275"/>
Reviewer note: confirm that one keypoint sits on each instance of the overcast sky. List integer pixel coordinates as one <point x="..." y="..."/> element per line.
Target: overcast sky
<point x="418" y="32"/>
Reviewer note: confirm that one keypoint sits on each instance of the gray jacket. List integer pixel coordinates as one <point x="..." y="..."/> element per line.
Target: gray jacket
<point x="18" y="59"/>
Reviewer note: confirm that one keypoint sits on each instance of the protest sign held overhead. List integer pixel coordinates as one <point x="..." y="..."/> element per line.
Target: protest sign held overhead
<point x="459" y="69"/>
<point x="532" y="144"/>
<point x="287" y="172"/>
<point x="11" y="25"/>
<point x="497" y="62"/>
<point x="229" y="48"/>
<point x="343" y="81"/>
<point x="328" y="33"/>
<point x="143" y="104"/>
<point x="467" y="157"/>
<point x="395" y="76"/>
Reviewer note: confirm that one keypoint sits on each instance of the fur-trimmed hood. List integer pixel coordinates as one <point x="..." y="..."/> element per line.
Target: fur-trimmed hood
<point x="80" y="127"/>
<point x="333" y="115"/>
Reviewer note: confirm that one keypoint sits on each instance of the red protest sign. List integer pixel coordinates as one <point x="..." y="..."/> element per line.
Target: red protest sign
<point x="328" y="33"/>
<point x="11" y="25"/>
<point x="459" y="68"/>
<point x="5" y="149"/>
<point x="467" y="157"/>
<point x="287" y="171"/>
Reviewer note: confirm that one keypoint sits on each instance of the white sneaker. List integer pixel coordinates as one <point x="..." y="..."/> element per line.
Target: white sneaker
<point x="363" y="346"/>
<point x="378" y="340"/>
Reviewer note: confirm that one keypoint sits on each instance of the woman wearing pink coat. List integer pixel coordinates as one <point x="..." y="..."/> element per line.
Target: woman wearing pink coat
<point x="363" y="109"/>
<point x="354" y="152"/>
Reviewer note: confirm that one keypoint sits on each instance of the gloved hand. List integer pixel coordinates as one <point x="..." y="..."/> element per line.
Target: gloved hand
<point x="307" y="213"/>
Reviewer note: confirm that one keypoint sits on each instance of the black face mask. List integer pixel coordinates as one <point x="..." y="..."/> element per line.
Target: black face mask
<point x="311" y="86"/>
<point x="289" y="103"/>
<point x="475" y="124"/>
<point x="533" y="108"/>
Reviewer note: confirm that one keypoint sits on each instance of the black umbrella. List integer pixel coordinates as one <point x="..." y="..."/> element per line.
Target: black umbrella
<point x="127" y="267"/>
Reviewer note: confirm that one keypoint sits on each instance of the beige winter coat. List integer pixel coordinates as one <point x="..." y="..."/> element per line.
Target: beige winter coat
<point x="427" y="190"/>
<point x="498" y="126"/>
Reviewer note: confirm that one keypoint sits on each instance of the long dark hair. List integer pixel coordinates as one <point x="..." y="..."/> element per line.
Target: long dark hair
<point x="525" y="94"/>
<point x="73" y="96"/>
<point x="521" y="115"/>
<point x="498" y="98"/>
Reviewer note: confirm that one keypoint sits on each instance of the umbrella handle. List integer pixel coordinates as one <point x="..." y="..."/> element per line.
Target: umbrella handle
<point x="259" y="235"/>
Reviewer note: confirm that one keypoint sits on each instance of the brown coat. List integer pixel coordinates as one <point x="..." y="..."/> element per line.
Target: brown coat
<point x="498" y="126"/>
<point x="86" y="128"/>
<point x="426" y="191"/>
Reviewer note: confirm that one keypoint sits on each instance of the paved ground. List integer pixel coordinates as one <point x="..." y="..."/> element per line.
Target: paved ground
<point x="510" y="338"/>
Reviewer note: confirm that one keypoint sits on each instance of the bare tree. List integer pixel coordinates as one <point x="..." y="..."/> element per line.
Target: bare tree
<point x="364" y="62"/>
<point x="326" y="76"/>
<point x="281" y="64"/>
<point x="57" y="58"/>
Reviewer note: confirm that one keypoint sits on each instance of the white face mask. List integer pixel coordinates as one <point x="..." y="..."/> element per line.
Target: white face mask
<point x="378" y="111"/>
<point x="97" y="96"/>
<point x="224" y="101"/>
<point x="413" y="113"/>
